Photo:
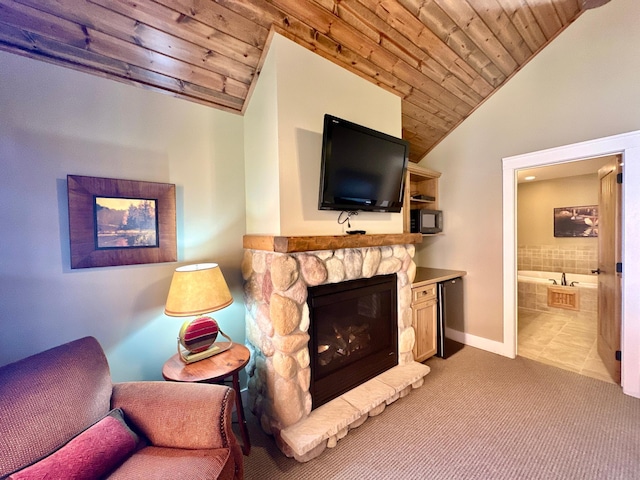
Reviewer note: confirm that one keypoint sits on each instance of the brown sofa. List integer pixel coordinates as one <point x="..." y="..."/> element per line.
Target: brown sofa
<point x="55" y="415"/>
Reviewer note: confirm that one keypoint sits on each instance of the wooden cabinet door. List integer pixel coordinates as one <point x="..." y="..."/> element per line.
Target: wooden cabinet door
<point x="424" y="324"/>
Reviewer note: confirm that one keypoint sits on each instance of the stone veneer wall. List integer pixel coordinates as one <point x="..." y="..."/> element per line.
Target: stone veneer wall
<point x="579" y="259"/>
<point x="277" y="320"/>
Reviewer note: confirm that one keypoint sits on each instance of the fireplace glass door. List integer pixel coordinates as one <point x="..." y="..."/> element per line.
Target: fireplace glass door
<point x="354" y="334"/>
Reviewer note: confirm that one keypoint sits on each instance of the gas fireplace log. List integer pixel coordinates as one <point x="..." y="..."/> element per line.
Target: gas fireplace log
<point x="343" y="342"/>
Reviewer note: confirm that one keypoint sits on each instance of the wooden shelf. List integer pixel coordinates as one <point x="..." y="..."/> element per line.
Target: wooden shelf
<point x="292" y="244"/>
<point x="419" y="181"/>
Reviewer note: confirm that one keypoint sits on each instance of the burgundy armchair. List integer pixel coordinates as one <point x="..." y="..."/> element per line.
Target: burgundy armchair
<point x="59" y="410"/>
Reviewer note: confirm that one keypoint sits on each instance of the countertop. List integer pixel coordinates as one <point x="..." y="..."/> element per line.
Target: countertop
<point x="425" y="276"/>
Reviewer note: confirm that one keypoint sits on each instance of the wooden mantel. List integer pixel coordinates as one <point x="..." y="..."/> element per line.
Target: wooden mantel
<point x="281" y="244"/>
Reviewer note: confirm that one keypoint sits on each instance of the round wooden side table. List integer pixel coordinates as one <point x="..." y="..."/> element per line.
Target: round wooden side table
<point x="215" y="370"/>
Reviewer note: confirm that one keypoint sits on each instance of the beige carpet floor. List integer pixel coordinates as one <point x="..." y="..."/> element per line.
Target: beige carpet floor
<point x="480" y="416"/>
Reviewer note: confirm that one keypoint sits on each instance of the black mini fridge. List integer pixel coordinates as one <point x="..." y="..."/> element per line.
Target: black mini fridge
<point x="451" y="312"/>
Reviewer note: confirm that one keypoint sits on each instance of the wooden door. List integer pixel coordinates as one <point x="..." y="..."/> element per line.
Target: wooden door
<point x="609" y="281"/>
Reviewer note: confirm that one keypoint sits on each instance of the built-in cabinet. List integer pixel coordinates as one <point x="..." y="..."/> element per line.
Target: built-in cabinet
<point x="421" y="191"/>
<point x="424" y="307"/>
<point x="424" y="304"/>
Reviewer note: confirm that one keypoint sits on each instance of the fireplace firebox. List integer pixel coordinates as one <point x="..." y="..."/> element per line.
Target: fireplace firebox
<point x="354" y="334"/>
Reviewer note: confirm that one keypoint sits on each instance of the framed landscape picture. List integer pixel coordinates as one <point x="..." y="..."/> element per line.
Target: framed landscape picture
<point x="120" y="222"/>
<point x="125" y="222"/>
<point x="575" y="221"/>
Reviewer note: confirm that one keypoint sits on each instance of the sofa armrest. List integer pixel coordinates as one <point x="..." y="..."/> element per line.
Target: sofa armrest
<point x="178" y="415"/>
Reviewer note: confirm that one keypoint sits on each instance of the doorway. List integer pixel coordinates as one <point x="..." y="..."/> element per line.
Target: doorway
<point x="557" y="318"/>
<point x="628" y="146"/>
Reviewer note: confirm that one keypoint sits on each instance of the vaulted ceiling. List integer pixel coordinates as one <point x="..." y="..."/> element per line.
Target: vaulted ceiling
<point x="442" y="57"/>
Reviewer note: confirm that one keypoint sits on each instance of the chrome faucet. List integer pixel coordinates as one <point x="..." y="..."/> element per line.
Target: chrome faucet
<point x="563" y="279"/>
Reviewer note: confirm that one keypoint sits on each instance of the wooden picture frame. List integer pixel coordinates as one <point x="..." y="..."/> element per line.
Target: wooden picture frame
<point x="575" y="222"/>
<point x="89" y="196"/>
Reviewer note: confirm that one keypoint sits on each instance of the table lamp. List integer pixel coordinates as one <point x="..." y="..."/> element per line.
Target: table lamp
<point x="196" y="290"/>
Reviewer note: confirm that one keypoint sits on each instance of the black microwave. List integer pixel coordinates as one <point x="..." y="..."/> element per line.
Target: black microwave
<point x="426" y="221"/>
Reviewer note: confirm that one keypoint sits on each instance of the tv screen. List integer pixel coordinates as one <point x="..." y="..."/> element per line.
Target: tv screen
<point x="362" y="169"/>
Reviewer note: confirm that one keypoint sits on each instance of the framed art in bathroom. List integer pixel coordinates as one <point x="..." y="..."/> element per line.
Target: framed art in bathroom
<point x="575" y="221"/>
<point x="120" y="222"/>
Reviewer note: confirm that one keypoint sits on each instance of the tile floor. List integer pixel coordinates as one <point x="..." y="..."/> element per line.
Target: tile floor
<point x="563" y="341"/>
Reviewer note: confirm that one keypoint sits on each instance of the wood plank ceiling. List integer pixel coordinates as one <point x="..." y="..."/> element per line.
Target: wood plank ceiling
<point x="442" y="57"/>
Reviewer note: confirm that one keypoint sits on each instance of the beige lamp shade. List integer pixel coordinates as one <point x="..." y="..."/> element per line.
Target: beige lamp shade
<point x="196" y="290"/>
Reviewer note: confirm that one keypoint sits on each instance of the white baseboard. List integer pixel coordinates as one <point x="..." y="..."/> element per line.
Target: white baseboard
<point x="479" y="342"/>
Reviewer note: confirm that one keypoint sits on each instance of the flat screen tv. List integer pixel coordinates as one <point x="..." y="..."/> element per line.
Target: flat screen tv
<point x="362" y="169"/>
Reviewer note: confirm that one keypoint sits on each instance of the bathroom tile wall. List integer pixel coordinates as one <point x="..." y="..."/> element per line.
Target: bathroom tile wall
<point x="579" y="259"/>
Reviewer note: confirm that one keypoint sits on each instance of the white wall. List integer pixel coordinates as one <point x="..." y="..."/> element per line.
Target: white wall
<point x="308" y="86"/>
<point x="261" y="153"/>
<point x="583" y="86"/>
<point x="56" y="121"/>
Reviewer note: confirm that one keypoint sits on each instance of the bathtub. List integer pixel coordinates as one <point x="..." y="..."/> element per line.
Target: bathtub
<point x="583" y="281"/>
<point x="533" y="291"/>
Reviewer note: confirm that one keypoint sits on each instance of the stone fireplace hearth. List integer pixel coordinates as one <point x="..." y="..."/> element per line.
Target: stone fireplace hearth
<point x="277" y="276"/>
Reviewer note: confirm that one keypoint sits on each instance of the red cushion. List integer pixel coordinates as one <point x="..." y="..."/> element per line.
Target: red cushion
<point x="90" y="455"/>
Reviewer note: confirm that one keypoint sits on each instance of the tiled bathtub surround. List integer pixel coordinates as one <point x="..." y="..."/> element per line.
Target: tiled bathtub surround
<point x="553" y="258"/>
<point x="533" y="296"/>
<point x="277" y="321"/>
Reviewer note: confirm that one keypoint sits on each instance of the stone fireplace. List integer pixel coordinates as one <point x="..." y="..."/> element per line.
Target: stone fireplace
<point x="278" y="273"/>
<point x="354" y="334"/>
